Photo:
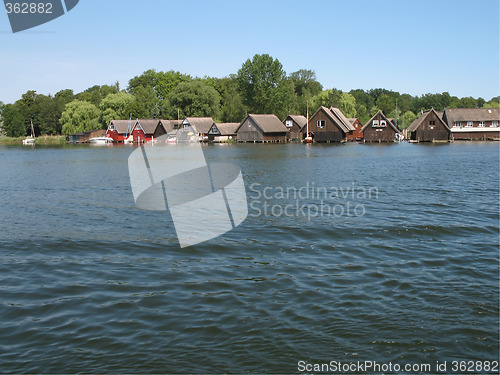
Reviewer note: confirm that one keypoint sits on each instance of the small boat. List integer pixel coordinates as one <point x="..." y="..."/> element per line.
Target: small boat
<point x="31" y="139"/>
<point x="101" y="140"/>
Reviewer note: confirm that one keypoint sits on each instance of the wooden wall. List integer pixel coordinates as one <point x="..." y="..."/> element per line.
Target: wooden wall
<point x="379" y="134"/>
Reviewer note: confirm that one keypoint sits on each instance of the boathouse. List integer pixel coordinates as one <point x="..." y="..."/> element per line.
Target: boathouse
<point x="473" y="123"/>
<point x="223" y="132"/>
<point x="379" y="129"/>
<point x="294" y="124"/>
<point x="356" y="134"/>
<point x="202" y="125"/>
<point x="119" y="129"/>
<point x="329" y="125"/>
<point x="148" y="129"/>
<point x="429" y="127"/>
<point x="261" y="128"/>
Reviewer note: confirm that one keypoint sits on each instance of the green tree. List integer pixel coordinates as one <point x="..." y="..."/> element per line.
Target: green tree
<point x="192" y="98"/>
<point x="161" y="82"/>
<point x="145" y="104"/>
<point x="406" y="120"/>
<point x="115" y="107"/>
<point x="306" y="87"/>
<point x="258" y="82"/>
<point x="338" y="99"/>
<point x="493" y="103"/>
<point x="232" y="108"/>
<point x="326" y="98"/>
<point x="96" y="94"/>
<point x="386" y="104"/>
<point x="305" y="83"/>
<point x="13" y="121"/>
<point x="79" y="116"/>
<point x="347" y="104"/>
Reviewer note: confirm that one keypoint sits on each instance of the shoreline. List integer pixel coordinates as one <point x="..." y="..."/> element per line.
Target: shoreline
<point x="42" y="140"/>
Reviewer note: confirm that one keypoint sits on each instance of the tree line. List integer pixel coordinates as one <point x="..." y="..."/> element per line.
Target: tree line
<point x="260" y="86"/>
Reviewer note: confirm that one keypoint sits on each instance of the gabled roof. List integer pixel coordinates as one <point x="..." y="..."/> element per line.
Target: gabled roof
<point x="169" y="125"/>
<point x="201" y="124"/>
<point x="227" y="128"/>
<point x="391" y="124"/>
<point x="298" y="119"/>
<point x="149" y="125"/>
<point x="266" y="123"/>
<point x="345" y="122"/>
<point x="121" y="126"/>
<point x="471" y="114"/>
<point x="338" y="118"/>
<point x="419" y="121"/>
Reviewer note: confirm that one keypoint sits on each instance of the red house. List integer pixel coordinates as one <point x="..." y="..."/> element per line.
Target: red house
<point x="137" y="131"/>
<point x="120" y="130"/>
<point x="356" y="134"/>
<point x="148" y="130"/>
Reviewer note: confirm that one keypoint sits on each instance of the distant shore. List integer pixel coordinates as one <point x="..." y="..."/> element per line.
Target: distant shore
<point x="42" y="140"/>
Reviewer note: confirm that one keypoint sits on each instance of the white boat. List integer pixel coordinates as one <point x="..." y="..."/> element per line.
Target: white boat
<point x="31" y="139"/>
<point x="101" y="140"/>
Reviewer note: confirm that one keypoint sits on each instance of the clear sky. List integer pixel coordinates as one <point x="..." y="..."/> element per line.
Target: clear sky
<point x="413" y="47"/>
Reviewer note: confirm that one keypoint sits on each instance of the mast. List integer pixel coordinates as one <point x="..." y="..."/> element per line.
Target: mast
<point x="32" y="129"/>
<point x="307" y="123"/>
<point x="128" y="127"/>
<point x="396" y="114"/>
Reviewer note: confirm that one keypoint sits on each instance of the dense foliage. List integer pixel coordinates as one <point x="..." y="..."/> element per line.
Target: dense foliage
<point x="260" y="86"/>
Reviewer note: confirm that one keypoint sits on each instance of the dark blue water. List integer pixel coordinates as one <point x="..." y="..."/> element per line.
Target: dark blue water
<point x="406" y="270"/>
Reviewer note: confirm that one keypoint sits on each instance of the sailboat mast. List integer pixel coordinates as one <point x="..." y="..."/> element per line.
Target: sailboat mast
<point x="396" y="114"/>
<point x="32" y="129"/>
<point x="307" y="123"/>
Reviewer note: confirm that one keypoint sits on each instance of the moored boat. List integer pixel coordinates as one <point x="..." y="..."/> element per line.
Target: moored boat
<point x="31" y="139"/>
<point x="101" y="140"/>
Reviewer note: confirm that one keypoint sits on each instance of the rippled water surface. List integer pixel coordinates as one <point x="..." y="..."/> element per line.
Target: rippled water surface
<point x="350" y="252"/>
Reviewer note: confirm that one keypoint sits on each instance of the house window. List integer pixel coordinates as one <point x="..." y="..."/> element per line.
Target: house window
<point x="321" y="123"/>
<point x="289" y="123"/>
<point x="375" y="123"/>
<point x="111" y="127"/>
<point x="383" y="123"/>
<point x="494" y="124"/>
<point x="470" y="124"/>
<point x="458" y="124"/>
<point x="481" y="124"/>
<point x="432" y="123"/>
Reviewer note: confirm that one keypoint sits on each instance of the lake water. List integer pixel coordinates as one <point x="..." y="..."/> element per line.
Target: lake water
<point x="394" y="259"/>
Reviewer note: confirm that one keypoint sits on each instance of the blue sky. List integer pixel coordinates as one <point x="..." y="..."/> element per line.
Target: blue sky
<point x="413" y="47"/>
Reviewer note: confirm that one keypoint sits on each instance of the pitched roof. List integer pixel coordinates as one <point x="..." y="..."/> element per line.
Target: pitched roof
<point x="169" y="125"/>
<point x="299" y="120"/>
<point x="471" y="114"/>
<point x="121" y="126"/>
<point x="344" y="121"/>
<point x="419" y="121"/>
<point x="267" y="123"/>
<point x="227" y="128"/>
<point x="149" y="125"/>
<point x="391" y="124"/>
<point x="201" y="124"/>
<point x="338" y="118"/>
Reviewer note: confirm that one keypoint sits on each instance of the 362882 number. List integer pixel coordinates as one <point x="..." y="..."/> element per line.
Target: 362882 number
<point x="28" y="8"/>
<point x="474" y="366"/>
